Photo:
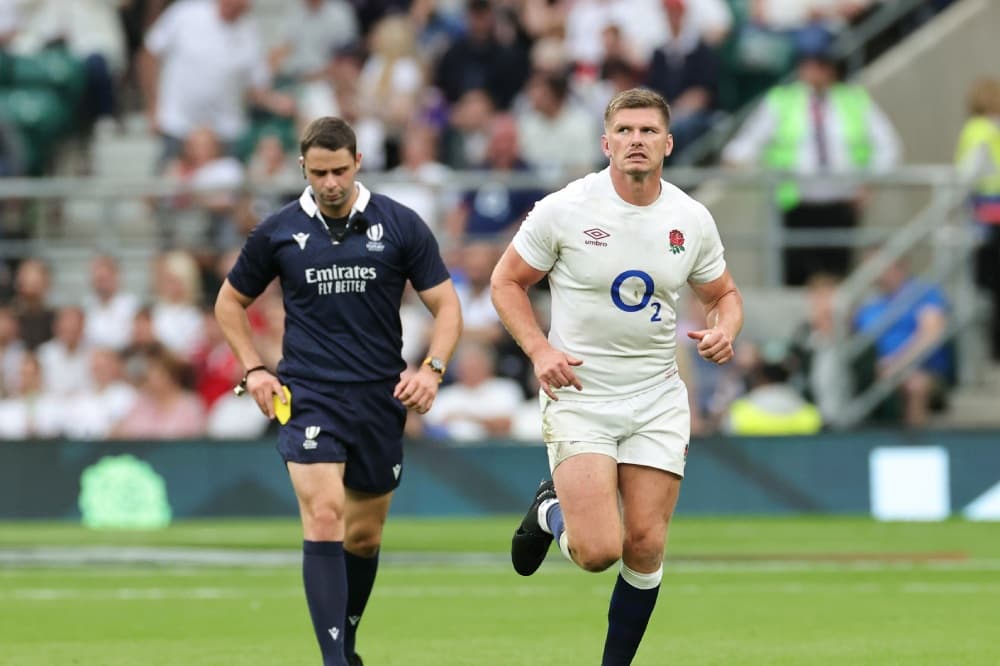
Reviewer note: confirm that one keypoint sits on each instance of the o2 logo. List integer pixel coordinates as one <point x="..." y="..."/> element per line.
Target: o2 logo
<point x="647" y="294"/>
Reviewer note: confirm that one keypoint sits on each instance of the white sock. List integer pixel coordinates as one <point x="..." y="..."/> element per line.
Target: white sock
<point x="642" y="581"/>
<point x="543" y="514"/>
<point x="564" y="545"/>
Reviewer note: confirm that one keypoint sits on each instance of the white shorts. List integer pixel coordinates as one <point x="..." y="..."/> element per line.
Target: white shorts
<point x="651" y="428"/>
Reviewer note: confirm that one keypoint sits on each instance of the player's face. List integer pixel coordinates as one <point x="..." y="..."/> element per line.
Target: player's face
<point x="331" y="175"/>
<point x="637" y="141"/>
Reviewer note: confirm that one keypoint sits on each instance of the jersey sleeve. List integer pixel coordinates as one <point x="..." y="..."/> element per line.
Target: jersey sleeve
<point x="164" y="31"/>
<point x="256" y="266"/>
<point x="536" y="240"/>
<point x="422" y="262"/>
<point x="710" y="263"/>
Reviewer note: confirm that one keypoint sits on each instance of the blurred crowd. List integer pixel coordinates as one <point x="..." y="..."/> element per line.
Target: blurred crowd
<point x="431" y="87"/>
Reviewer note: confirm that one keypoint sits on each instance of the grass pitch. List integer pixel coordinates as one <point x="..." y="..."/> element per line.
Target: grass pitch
<point x="740" y="591"/>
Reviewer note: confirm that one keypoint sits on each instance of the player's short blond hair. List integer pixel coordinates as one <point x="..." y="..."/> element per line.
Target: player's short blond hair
<point x="637" y="98"/>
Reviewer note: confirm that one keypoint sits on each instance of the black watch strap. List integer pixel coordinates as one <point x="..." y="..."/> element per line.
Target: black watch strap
<point x="241" y="388"/>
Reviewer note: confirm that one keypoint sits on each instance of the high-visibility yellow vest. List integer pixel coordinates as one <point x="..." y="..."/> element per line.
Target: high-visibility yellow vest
<point x="746" y="418"/>
<point x="982" y="131"/>
<point x="791" y="105"/>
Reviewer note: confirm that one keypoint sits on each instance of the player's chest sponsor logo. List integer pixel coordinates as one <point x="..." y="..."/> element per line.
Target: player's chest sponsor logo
<point x="301" y="239"/>
<point x="596" y="237"/>
<point x="337" y="279"/>
<point x="374" y="234"/>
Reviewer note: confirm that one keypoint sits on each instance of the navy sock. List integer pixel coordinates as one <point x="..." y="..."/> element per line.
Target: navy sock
<point x="325" y="579"/>
<point x="554" y="518"/>
<point x="628" y="616"/>
<point x="360" y="579"/>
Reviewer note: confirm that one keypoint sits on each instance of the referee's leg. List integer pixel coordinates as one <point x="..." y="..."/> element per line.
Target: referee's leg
<point x="319" y="488"/>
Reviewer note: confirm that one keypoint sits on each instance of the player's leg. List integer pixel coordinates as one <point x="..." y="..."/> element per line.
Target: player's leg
<point x="319" y="488"/>
<point x="364" y="517"/>
<point x="582" y="501"/>
<point x="587" y="489"/>
<point x="649" y="478"/>
<point x="648" y="499"/>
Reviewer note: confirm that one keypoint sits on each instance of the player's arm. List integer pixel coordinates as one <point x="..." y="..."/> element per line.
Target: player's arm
<point x="509" y="285"/>
<point x="231" y="313"/>
<point x="417" y="390"/>
<point x="724" y="315"/>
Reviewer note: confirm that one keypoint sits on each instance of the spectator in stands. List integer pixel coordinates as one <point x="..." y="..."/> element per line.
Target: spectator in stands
<point x="65" y="359"/>
<point x="421" y="181"/>
<point x="108" y="310"/>
<point x="772" y="407"/>
<point x="919" y="315"/>
<point x="826" y="378"/>
<point x="31" y="412"/>
<point x="392" y="80"/>
<point x="176" y="319"/>
<point x="12" y="350"/>
<point x="269" y="167"/>
<point x="164" y="407"/>
<point x="685" y="70"/>
<point x="479" y="318"/>
<point x="485" y="58"/>
<point x="495" y="208"/>
<point x="640" y="24"/>
<point x="813" y="127"/>
<point x="31" y="302"/>
<point x="93" y="414"/>
<point x="554" y="129"/>
<point x="978" y="157"/>
<point x="92" y="31"/>
<point x="479" y="404"/>
<point x="466" y="135"/>
<point x="202" y="63"/>
<point x="216" y="369"/>
<point x="208" y="180"/>
<point x="313" y="30"/>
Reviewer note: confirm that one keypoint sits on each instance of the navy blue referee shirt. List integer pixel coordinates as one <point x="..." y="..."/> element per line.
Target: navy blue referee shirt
<point x="341" y="299"/>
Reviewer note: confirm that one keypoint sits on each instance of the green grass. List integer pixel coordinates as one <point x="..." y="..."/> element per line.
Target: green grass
<point x="765" y="592"/>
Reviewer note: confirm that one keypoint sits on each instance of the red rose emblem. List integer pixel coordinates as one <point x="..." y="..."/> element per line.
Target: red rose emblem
<point x="676" y="241"/>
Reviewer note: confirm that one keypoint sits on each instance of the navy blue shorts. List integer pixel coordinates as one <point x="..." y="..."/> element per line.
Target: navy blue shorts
<point x="357" y="424"/>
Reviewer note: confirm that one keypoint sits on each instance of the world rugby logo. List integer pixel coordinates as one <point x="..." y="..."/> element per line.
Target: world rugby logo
<point x="375" y="238"/>
<point x="312" y="432"/>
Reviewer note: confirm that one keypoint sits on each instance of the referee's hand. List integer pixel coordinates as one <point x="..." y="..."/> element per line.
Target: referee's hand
<point x="263" y="386"/>
<point x="417" y="389"/>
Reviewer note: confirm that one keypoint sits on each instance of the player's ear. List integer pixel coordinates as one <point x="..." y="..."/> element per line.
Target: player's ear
<point x="604" y="145"/>
<point x="302" y="165"/>
<point x="357" y="161"/>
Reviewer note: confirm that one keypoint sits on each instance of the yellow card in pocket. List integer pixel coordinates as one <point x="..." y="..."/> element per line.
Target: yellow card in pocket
<point x="283" y="411"/>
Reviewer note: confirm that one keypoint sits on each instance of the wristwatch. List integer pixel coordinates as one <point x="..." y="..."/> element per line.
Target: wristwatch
<point x="437" y="365"/>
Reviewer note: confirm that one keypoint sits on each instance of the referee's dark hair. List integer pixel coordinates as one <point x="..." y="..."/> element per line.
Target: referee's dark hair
<point x="330" y="133"/>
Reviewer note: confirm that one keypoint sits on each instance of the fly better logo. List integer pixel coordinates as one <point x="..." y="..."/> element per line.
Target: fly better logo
<point x="312" y="432"/>
<point x="597" y="237"/>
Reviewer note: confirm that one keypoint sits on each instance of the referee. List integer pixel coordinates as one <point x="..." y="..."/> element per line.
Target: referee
<point x="343" y="256"/>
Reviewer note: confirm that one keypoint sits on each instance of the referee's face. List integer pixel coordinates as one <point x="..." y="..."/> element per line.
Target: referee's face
<point x="331" y="175"/>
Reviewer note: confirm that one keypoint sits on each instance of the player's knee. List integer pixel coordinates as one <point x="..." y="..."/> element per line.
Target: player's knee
<point x="596" y="558"/>
<point x="646" y="548"/>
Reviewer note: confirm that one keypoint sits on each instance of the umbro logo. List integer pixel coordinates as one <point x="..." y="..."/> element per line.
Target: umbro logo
<point x="396" y="469"/>
<point x="312" y="432"/>
<point x="597" y="237"/>
<point x="301" y="239"/>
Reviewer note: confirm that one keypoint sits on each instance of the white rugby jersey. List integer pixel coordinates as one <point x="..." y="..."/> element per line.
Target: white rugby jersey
<point x="615" y="272"/>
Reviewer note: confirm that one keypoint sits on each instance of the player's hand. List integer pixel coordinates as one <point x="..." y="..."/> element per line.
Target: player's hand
<point x="417" y="389"/>
<point x="263" y="386"/>
<point x="713" y="344"/>
<point x="554" y="369"/>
